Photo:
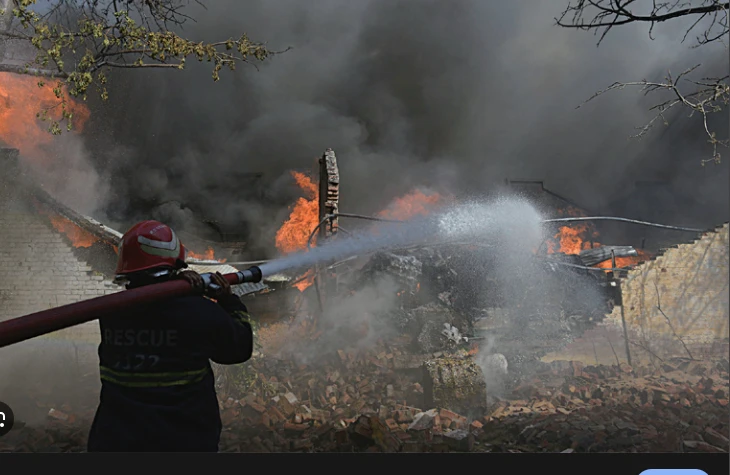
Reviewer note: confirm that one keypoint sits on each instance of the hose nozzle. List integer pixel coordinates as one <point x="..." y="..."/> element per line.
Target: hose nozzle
<point x="252" y="274"/>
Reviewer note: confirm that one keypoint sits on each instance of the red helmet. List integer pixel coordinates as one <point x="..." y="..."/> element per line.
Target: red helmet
<point x="148" y="245"/>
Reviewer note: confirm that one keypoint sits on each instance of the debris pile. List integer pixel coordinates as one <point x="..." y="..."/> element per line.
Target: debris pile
<point x="681" y="406"/>
<point x="433" y="389"/>
<point x="368" y="406"/>
<point x="377" y="401"/>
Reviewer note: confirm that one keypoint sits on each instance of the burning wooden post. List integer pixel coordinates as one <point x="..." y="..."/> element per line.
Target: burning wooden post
<point x="329" y="198"/>
<point x="329" y="193"/>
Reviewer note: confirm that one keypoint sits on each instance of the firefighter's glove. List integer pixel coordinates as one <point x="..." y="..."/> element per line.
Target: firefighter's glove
<point x="219" y="287"/>
<point x="194" y="279"/>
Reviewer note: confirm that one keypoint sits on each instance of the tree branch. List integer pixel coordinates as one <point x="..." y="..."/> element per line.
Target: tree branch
<point x="711" y="96"/>
<point x="85" y="39"/>
<point x="604" y="15"/>
<point x="7" y="68"/>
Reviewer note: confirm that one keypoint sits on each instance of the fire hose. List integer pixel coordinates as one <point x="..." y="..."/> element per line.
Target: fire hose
<point x="40" y="323"/>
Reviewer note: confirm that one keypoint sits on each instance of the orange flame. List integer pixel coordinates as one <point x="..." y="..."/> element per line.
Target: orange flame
<point x="20" y="101"/>
<point x="570" y="240"/>
<point x="626" y="261"/>
<point x="581" y="236"/>
<point x="306" y="281"/>
<point x="208" y="255"/>
<point x="415" y="203"/>
<point x="79" y="237"/>
<point x="294" y="233"/>
<point x="573" y="238"/>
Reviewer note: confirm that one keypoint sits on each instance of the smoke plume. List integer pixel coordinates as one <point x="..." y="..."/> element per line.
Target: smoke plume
<point x="456" y="95"/>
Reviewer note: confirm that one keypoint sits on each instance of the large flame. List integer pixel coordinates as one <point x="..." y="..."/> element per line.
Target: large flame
<point x="580" y="236"/>
<point x="303" y="218"/>
<point x="20" y="102"/>
<point x="78" y="236"/>
<point x="574" y="238"/>
<point x="415" y="203"/>
<point x="294" y="233"/>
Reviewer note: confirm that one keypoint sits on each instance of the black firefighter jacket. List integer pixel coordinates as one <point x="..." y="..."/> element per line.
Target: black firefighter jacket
<point x="158" y="392"/>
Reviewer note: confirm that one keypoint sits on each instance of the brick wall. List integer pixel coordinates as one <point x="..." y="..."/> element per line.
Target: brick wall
<point x="680" y="297"/>
<point x="38" y="270"/>
<point x="677" y="300"/>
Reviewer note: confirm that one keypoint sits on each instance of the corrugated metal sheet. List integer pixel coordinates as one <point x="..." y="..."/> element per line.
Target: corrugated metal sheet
<point x="248" y="288"/>
<point x="203" y="268"/>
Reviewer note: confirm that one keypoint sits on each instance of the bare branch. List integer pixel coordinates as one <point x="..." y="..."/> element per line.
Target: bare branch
<point x="711" y="95"/>
<point x="6" y="68"/>
<point x="712" y="16"/>
<point x="603" y="15"/>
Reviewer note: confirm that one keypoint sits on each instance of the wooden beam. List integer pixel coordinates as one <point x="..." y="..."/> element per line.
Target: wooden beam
<point x="329" y="193"/>
<point x="329" y="199"/>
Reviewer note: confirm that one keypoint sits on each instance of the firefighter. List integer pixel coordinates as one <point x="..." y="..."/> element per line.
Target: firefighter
<point x="157" y="385"/>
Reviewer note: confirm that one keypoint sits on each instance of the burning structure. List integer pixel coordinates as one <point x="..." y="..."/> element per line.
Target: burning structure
<point x="461" y="331"/>
<point x="544" y="334"/>
<point x="436" y="346"/>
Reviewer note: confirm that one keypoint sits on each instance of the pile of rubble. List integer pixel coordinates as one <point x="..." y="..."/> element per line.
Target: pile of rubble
<point x="543" y="305"/>
<point x="329" y="406"/>
<point x="376" y="402"/>
<point x="566" y="407"/>
<point x="675" y="408"/>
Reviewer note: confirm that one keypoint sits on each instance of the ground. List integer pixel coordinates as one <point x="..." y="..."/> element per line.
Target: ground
<point x="360" y="401"/>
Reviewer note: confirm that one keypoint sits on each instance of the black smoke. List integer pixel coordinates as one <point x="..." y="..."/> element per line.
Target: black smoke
<point x="451" y="94"/>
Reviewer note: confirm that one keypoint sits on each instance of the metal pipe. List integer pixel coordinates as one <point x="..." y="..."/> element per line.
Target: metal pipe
<point x="594" y="269"/>
<point x="369" y="218"/>
<point x="40" y="323"/>
<point x="625" y="220"/>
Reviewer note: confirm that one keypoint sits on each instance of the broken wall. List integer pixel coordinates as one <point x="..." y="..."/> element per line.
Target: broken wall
<point x="680" y="299"/>
<point x="674" y="306"/>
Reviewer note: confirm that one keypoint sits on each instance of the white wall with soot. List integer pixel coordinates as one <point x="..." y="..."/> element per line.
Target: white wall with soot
<point x="38" y="270"/>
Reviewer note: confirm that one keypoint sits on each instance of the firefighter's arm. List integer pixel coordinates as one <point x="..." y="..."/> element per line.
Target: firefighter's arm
<point x="233" y="335"/>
